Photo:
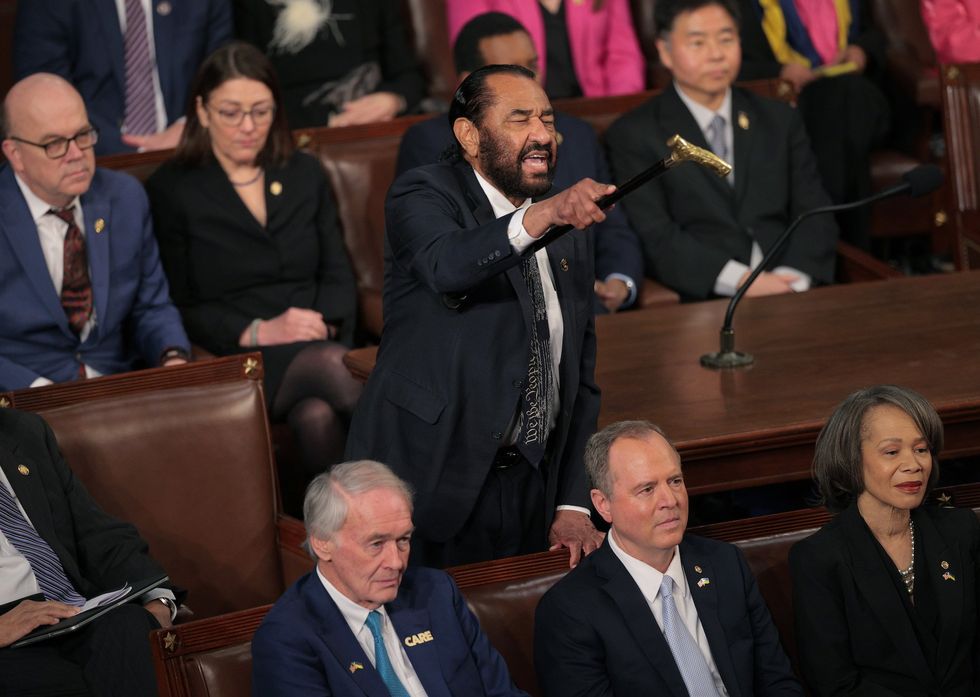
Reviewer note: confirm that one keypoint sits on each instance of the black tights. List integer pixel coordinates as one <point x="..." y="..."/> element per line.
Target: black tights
<point x="316" y="398"/>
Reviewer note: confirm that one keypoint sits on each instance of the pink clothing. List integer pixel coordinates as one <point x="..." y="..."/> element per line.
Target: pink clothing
<point x="820" y="19"/>
<point x="605" y="52"/>
<point x="954" y="28"/>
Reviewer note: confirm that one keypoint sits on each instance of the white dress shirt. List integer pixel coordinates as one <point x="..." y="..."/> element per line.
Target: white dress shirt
<point x="732" y="272"/>
<point x="17" y="579"/>
<point x="649" y="581"/>
<point x="161" y="108"/>
<point x="356" y="618"/>
<point x="51" y="232"/>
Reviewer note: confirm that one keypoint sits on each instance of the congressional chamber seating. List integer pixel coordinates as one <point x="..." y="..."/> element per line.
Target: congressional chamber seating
<point x="212" y="657"/>
<point x="961" y="113"/>
<point x="184" y="454"/>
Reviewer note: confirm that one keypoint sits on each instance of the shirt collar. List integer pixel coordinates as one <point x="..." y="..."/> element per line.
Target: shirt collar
<point x="354" y="614"/>
<point x="37" y="207"/>
<point x="703" y="114"/>
<point x="500" y="204"/>
<point x="646" y="577"/>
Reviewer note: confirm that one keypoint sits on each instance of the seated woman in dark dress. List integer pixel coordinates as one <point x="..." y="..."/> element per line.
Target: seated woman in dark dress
<point x="249" y="239"/>
<point x="885" y="595"/>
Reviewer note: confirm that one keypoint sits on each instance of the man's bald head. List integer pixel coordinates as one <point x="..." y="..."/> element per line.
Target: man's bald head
<point x="40" y="109"/>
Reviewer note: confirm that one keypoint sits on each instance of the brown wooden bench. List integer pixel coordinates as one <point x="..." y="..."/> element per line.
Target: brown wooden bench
<point x="213" y="657"/>
<point x="184" y="454"/>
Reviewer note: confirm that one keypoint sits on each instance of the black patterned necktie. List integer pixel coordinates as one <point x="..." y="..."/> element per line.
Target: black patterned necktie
<point x="76" y="287"/>
<point x="540" y="397"/>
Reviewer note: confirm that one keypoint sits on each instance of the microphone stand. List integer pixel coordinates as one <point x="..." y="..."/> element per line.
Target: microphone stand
<point x="727" y="356"/>
<point x="680" y="151"/>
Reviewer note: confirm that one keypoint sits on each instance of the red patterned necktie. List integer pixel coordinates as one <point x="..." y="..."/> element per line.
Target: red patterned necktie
<point x="141" y="117"/>
<point x="76" y="287"/>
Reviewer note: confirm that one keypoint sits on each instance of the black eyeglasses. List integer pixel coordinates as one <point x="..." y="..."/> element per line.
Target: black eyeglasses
<point x="58" y="147"/>
<point x="261" y="115"/>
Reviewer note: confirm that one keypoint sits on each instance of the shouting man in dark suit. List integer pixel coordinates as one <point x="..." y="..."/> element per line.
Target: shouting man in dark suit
<point x="483" y="395"/>
<point x="653" y="611"/>
<point x="702" y="235"/>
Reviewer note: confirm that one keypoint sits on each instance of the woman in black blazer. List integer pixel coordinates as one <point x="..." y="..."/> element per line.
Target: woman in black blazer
<point x="249" y="239"/>
<point x="885" y="595"/>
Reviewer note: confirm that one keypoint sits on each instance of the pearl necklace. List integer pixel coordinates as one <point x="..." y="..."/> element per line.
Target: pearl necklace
<point x="908" y="574"/>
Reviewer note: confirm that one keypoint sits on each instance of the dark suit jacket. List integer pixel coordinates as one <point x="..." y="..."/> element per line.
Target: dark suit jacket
<point x="98" y="552"/>
<point x="135" y="319"/>
<point x="81" y="41"/>
<point x="691" y="222"/>
<point x="594" y="633"/>
<point x="448" y="381"/>
<point x="305" y="646"/>
<point x="617" y="249"/>
<point x="225" y="269"/>
<point x="854" y="634"/>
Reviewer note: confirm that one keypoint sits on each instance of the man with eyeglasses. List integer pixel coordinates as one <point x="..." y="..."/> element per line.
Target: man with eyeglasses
<point x="82" y="292"/>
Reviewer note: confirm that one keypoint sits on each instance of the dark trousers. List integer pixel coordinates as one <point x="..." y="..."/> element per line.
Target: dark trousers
<point x="508" y="519"/>
<point x="109" y="657"/>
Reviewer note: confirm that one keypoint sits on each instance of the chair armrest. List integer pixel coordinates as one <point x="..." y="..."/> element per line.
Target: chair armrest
<point x="653" y="294"/>
<point x="855" y="265"/>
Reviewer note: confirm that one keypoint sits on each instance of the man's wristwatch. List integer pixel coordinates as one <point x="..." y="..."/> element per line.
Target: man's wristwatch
<point x="171" y="605"/>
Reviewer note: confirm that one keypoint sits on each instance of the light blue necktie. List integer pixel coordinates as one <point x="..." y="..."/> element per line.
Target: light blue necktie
<point x="688" y="657"/>
<point x="381" y="661"/>
<point x="50" y="575"/>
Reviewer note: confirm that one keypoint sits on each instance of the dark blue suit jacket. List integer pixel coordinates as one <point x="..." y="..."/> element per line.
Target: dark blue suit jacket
<point x="305" y="646"/>
<point x="595" y="634"/>
<point x="617" y="248"/>
<point x="81" y="41"/>
<point x="135" y="318"/>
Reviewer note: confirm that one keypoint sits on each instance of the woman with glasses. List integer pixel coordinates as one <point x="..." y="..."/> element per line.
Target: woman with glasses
<point x="249" y="239"/>
<point x="885" y="595"/>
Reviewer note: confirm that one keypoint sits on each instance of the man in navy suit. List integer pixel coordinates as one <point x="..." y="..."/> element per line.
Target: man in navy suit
<point x="653" y="611"/>
<point x="99" y="45"/>
<point x="497" y="38"/>
<point x="362" y="622"/>
<point x="82" y="292"/>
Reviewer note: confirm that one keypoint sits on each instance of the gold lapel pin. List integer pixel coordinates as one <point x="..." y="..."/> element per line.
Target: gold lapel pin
<point x="23" y="469"/>
<point x="743" y="120"/>
<point x="702" y="582"/>
<point x="563" y="264"/>
<point x="355" y="666"/>
<point x="697" y="569"/>
<point x="275" y="188"/>
<point x="99" y="225"/>
<point x="944" y="564"/>
<point x="559" y="138"/>
<point x="948" y="577"/>
<point x="164" y="8"/>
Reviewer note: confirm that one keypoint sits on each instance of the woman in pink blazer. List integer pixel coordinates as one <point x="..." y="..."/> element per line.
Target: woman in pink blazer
<point x="954" y="28"/>
<point x="605" y="53"/>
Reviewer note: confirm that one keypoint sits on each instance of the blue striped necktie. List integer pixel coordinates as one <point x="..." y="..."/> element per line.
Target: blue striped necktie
<point x="381" y="661"/>
<point x="688" y="657"/>
<point x="50" y="575"/>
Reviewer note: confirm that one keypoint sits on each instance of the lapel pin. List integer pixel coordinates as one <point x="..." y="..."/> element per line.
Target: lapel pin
<point x="697" y="569"/>
<point x="944" y="564"/>
<point x="355" y="666"/>
<point x="275" y="188"/>
<point x="99" y="225"/>
<point x="164" y="8"/>
<point x="23" y="469"/>
<point x="702" y="582"/>
<point x="420" y="638"/>
<point x="563" y="264"/>
<point x="559" y="138"/>
<point x="743" y="120"/>
<point x="948" y="577"/>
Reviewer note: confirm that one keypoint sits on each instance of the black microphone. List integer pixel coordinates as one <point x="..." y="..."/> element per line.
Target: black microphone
<point x="922" y="180"/>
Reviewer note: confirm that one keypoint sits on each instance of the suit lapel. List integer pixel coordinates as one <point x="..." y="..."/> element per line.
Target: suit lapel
<point x="98" y="228"/>
<point x="21" y="232"/>
<point x="164" y="27"/>
<point x="743" y="138"/>
<point x="702" y="583"/>
<point x="336" y="634"/>
<point x="112" y="35"/>
<point x="29" y="488"/>
<point x="878" y="591"/>
<point x="944" y="565"/>
<point x="638" y="618"/>
<point x="424" y="655"/>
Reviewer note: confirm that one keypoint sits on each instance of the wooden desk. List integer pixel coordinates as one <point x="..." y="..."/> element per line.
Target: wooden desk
<point x="758" y="425"/>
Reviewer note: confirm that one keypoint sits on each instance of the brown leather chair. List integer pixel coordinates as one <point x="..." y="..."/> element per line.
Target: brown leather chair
<point x="184" y="454"/>
<point x="430" y="35"/>
<point x="961" y="115"/>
